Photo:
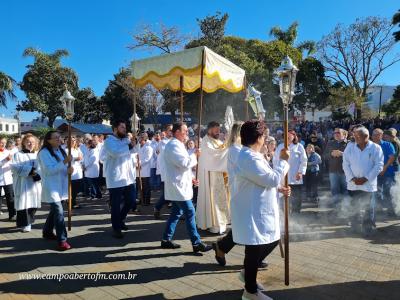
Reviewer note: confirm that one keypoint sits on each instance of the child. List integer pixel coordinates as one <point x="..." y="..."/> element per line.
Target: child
<point x="313" y="162"/>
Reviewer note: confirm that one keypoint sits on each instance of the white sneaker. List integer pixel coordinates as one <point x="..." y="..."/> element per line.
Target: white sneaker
<point x="26" y="228"/>
<point x="260" y="287"/>
<point x="257" y="296"/>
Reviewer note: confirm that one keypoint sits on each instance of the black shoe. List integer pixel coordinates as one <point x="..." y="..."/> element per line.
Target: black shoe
<point x="202" y="247"/>
<point x="220" y="260"/>
<point x="117" y="234"/>
<point x="157" y="214"/>
<point x="263" y="264"/>
<point x="169" y="245"/>
<point x="124" y="227"/>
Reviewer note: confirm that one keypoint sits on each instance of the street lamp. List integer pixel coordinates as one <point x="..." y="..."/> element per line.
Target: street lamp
<point x="68" y="103"/>
<point x="135" y="123"/>
<point x="286" y="72"/>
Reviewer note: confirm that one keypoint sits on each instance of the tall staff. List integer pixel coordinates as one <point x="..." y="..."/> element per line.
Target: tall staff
<point x="287" y="72"/>
<point x="200" y="104"/>
<point x="68" y="102"/>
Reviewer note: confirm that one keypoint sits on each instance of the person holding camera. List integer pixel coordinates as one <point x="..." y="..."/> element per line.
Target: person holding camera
<point x="27" y="185"/>
<point x="53" y="166"/>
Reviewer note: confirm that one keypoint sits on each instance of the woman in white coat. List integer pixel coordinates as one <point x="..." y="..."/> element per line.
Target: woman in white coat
<point x="254" y="205"/>
<point x="53" y="164"/>
<point x="298" y="167"/>
<point x="77" y="175"/>
<point x="27" y="185"/>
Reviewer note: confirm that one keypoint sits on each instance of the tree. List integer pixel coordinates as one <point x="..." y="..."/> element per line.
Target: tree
<point x="7" y="85"/>
<point x="289" y="37"/>
<point x="396" y="21"/>
<point x="312" y="86"/>
<point x="212" y="29"/>
<point x="393" y="107"/>
<point x="356" y="55"/>
<point x="166" y="39"/>
<point x="43" y="83"/>
<point x="89" y="108"/>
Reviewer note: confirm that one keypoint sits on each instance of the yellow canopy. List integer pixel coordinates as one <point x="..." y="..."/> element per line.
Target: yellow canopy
<point x="164" y="71"/>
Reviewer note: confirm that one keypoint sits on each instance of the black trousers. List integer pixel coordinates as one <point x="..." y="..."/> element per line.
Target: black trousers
<point x="9" y="193"/>
<point x="296" y="197"/>
<point x="312" y="182"/>
<point x="252" y="257"/>
<point x="146" y="190"/>
<point x="26" y="217"/>
<point x="76" y="187"/>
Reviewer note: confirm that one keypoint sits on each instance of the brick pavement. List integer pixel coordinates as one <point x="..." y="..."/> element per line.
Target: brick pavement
<point x="327" y="261"/>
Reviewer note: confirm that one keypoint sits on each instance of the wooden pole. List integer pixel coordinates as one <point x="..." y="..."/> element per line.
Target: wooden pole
<point x="200" y="105"/>
<point x="286" y="128"/>
<point x="69" y="179"/>
<point x="181" y="91"/>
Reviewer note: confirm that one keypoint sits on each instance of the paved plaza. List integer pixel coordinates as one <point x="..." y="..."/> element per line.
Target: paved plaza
<point x="327" y="261"/>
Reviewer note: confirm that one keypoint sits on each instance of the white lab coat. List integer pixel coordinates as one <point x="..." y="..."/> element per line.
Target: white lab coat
<point x="117" y="162"/>
<point x="91" y="163"/>
<point x="297" y="161"/>
<point x="145" y="158"/>
<point x="27" y="193"/>
<point x="154" y="145"/>
<point x="54" y="176"/>
<point x="178" y="171"/>
<point x="254" y="207"/>
<point x="160" y="158"/>
<point x="233" y="155"/>
<point x="5" y="168"/>
<point x="367" y="163"/>
<point x="76" y="164"/>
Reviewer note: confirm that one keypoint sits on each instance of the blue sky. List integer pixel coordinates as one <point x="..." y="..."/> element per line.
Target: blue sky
<point x="97" y="33"/>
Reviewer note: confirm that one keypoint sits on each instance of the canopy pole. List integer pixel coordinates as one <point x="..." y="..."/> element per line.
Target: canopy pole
<point x="246" y="103"/>
<point x="200" y="104"/>
<point x="181" y="90"/>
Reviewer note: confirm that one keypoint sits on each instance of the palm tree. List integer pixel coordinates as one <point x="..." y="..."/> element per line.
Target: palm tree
<point x="289" y="37"/>
<point x="7" y="85"/>
<point x="37" y="54"/>
<point x="395" y="21"/>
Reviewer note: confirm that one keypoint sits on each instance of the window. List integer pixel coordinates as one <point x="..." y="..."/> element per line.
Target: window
<point x="1" y="127"/>
<point x="7" y="128"/>
<point x="13" y="128"/>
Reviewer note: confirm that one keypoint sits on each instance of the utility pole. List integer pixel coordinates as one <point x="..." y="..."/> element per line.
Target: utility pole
<point x="380" y="102"/>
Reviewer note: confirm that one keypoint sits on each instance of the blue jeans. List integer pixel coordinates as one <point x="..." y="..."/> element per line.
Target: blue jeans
<point x="383" y="197"/>
<point x="94" y="187"/>
<point x="56" y="219"/>
<point x="179" y="208"/>
<point x="122" y="200"/>
<point x="338" y="186"/>
<point x="155" y="180"/>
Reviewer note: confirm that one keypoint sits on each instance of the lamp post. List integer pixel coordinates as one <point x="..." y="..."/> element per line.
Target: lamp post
<point x="286" y="72"/>
<point x="68" y="103"/>
<point x="313" y="106"/>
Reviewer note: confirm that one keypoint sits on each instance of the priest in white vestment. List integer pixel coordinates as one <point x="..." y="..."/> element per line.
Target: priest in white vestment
<point x="213" y="201"/>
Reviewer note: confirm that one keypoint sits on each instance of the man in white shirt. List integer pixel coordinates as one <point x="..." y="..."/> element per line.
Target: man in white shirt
<point x="155" y="179"/>
<point x="91" y="165"/>
<point x="178" y="182"/>
<point x="145" y="159"/>
<point x="362" y="163"/>
<point x="6" y="180"/>
<point x="120" y="176"/>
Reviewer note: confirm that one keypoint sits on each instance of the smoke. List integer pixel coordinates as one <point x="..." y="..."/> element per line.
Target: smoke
<point x="395" y="193"/>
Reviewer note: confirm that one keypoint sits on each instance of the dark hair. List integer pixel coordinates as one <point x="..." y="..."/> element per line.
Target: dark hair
<point x="251" y="131"/>
<point x="46" y="145"/>
<point x="116" y="123"/>
<point x="212" y="124"/>
<point x="177" y="126"/>
<point x="295" y="139"/>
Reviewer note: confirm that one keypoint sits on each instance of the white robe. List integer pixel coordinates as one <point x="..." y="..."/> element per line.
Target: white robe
<point x="212" y="201"/>
<point x="27" y="193"/>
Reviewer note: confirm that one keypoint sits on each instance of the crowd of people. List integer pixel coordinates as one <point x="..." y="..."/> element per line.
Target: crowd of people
<point x="226" y="177"/>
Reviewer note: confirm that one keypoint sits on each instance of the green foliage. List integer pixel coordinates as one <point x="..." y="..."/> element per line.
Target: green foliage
<point x="396" y="21"/>
<point x="7" y="85"/>
<point x="41" y="131"/>
<point x="43" y="84"/>
<point x="393" y="107"/>
<point x="213" y="29"/>
<point x="89" y="108"/>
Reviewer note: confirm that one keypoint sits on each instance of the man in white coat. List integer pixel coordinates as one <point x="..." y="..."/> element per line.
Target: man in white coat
<point x="91" y="163"/>
<point x="145" y="160"/>
<point x="212" y="201"/>
<point x="6" y="180"/>
<point x="178" y="189"/>
<point x="120" y="176"/>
